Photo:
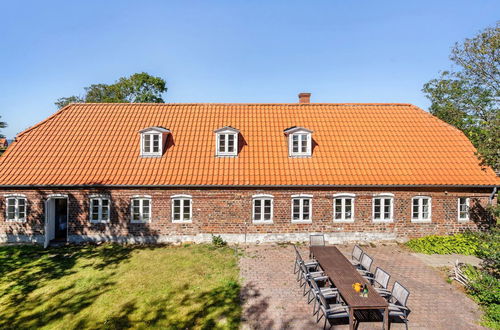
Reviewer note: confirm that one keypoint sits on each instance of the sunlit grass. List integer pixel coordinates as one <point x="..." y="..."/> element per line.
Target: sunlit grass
<point x="113" y="286"/>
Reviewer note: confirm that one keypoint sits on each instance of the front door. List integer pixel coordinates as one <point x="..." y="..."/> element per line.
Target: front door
<point x="56" y="219"/>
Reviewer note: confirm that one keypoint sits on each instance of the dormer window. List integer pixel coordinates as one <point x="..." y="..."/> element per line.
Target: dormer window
<point x="153" y="141"/>
<point x="226" y="141"/>
<point x="299" y="141"/>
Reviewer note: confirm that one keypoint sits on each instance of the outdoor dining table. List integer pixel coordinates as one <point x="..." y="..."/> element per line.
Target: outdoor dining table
<point x="343" y="275"/>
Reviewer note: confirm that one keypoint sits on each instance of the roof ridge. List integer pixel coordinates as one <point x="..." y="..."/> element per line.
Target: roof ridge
<point x="58" y="112"/>
<point x="243" y="103"/>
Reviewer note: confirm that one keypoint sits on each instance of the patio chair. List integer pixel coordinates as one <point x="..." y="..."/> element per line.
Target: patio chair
<point x="397" y="303"/>
<point x="312" y="264"/>
<point x="330" y="311"/>
<point x="380" y="281"/>
<point x="356" y="255"/>
<point x="307" y="275"/>
<point x="365" y="265"/>
<point x="328" y="292"/>
<point x="316" y="240"/>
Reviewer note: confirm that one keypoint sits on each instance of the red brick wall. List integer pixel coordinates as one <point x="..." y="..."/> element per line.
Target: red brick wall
<point x="230" y="212"/>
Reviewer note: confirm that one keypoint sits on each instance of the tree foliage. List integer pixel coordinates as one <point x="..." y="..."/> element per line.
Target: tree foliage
<point x="468" y="97"/>
<point x="138" y="88"/>
<point x="2" y="125"/>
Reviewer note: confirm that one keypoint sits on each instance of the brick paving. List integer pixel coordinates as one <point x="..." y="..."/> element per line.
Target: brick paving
<point x="273" y="300"/>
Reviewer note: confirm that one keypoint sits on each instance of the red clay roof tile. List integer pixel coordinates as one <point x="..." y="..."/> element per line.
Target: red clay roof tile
<point x="356" y="144"/>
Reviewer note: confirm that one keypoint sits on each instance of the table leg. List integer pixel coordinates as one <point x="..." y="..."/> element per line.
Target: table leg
<point x="351" y="319"/>
<point x="386" y="318"/>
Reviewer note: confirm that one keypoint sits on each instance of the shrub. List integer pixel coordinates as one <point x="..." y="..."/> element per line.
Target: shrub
<point x="485" y="289"/>
<point x="218" y="241"/>
<point x="466" y="243"/>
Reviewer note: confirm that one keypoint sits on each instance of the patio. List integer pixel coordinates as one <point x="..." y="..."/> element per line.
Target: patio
<point x="273" y="299"/>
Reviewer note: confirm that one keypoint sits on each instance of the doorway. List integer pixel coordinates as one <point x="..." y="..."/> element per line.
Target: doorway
<point x="56" y="219"/>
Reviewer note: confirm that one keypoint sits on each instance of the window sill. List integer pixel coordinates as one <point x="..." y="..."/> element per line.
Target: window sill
<point x="301" y="221"/>
<point x="463" y="220"/>
<point x="300" y="156"/>
<point x="99" y="221"/>
<point x="226" y="156"/>
<point x="182" y="221"/>
<point x="151" y="155"/>
<point x="343" y="221"/>
<point x="421" y="221"/>
<point x="383" y="221"/>
<point x="262" y="222"/>
<point x="137" y="221"/>
<point x="16" y="220"/>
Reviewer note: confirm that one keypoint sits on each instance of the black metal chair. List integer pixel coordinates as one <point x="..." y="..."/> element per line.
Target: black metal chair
<point x="356" y="255"/>
<point x="397" y="303"/>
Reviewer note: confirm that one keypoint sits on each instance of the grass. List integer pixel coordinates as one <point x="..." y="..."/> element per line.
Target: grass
<point x="114" y="286"/>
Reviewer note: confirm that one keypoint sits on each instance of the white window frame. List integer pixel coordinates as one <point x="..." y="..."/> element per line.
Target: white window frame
<point x="467" y="201"/>
<point x="342" y="197"/>
<point x="299" y="132"/>
<point x="420" y="219"/>
<point x="141" y="198"/>
<point x="16" y="198"/>
<point x="182" y="198"/>
<point x="383" y="197"/>
<point x="302" y="197"/>
<point x="99" y="199"/>
<point x="262" y="198"/>
<point x="151" y="132"/>
<point x="226" y="132"/>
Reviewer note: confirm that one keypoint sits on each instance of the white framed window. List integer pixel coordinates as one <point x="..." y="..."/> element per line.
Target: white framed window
<point x="383" y="208"/>
<point x="262" y="209"/>
<point x="226" y="141"/>
<point x="182" y="208"/>
<point x="152" y="141"/>
<point x="16" y="205"/>
<point x="140" y="209"/>
<point x="463" y="208"/>
<point x="302" y="208"/>
<point x="421" y="208"/>
<point x="343" y="207"/>
<point x="99" y="209"/>
<point x="299" y="142"/>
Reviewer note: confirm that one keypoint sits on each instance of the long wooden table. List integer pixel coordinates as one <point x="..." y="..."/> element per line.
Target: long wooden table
<point x="343" y="275"/>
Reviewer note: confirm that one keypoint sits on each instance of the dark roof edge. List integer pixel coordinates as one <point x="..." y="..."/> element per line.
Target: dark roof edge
<point x="95" y="186"/>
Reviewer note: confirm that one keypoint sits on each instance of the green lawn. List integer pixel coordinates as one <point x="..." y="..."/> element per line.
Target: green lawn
<point x="115" y="286"/>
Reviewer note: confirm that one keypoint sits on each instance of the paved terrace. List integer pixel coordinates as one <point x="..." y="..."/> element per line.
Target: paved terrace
<point x="273" y="300"/>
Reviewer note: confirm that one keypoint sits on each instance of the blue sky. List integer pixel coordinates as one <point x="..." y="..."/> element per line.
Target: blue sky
<point x="229" y="51"/>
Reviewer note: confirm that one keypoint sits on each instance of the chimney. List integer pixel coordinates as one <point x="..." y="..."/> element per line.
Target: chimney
<point x="304" y="97"/>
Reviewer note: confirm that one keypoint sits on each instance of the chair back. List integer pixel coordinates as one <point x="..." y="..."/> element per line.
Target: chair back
<point x="357" y="252"/>
<point x="382" y="277"/>
<point x="317" y="240"/>
<point x="366" y="262"/>
<point x="322" y="300"/>
<point x="314" y="285"/>
<point x="400" y="293"/>
<point x="298" y="257"/>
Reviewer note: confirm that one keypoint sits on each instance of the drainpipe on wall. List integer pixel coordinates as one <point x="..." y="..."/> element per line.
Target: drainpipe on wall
<point x="490" y="200"/>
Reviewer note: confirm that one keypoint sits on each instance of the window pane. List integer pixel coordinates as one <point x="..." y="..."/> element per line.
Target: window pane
<point x="377" y="208"/>
<point x="348" y="208"/>
<point x="11" y="209"/>
<point x="415" y="208"/>
<point x="267" y="209"/>
<point x="296" y="209"/>
<point x="136" y="215"/>
<point x="147" y="143"/>
<point x="387" y="208"/>
<point x="222" y="143"/>
<point x="21" y="208"/>
<point x="187" y="209"/>
<point x="230" y="143"/>
<point x="177" y="212"/>
<point x="295" y="143"/>
<point x="156" y="143"/>
<point x="305" y="209"/>
<point x="303" y="143"/>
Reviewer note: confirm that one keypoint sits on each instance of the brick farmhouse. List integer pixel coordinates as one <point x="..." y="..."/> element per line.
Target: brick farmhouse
<point x="247" y="172"/>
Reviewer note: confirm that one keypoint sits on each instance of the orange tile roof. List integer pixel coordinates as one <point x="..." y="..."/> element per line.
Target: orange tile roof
<point x="356" y="144"/>
<point x="3" y="142"/>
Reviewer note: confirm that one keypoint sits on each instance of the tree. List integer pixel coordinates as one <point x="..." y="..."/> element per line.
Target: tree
<point x="469" y="97"/>
<point x="138" y="88"/>
<point x="2" y="125"/>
